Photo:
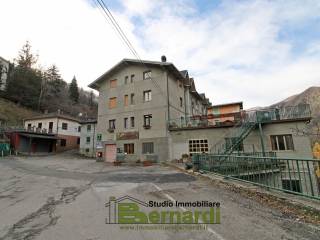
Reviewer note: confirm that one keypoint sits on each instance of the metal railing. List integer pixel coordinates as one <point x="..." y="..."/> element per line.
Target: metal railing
<point x="290" y="175"/>
<point x="264" y="115"/>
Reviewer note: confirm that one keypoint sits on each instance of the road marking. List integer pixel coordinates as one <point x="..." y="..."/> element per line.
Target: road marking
<point x="217" y="235"/>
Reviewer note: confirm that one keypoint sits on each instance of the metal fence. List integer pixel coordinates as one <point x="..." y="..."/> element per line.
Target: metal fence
<point x="291" y="175"/>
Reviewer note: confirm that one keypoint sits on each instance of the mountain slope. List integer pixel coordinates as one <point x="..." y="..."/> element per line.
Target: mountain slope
<point x="13" y="114"/>
<point x="310" y="96"/>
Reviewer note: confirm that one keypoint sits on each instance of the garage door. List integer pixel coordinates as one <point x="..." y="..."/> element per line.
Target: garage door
<point x="111" y="152"/>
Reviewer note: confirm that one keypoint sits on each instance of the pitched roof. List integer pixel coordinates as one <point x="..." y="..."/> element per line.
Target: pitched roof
<point x="53" y="115"/>
<point x="185" y="73"/>
<point x="4" y="60"/>
<point x="169" y="66"/>
<point x="228" y="104"/>
<point x="89" y="121"/>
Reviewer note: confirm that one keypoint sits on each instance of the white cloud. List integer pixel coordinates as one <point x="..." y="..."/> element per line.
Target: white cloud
<point x="233" y="51"/>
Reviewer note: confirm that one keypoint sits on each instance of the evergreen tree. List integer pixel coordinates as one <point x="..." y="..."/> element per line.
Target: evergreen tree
<point x="26" y="59"/>
<point x="24" y="82"/>
<point x="91" y="96"/>
<point x="2" y="72"/>
<point x="73" y="90"/>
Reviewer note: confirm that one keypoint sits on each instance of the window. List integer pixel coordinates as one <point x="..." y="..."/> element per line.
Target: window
<point x="63" y="142"/>
<point x="181" y="102"/>
<point x="87" y="150"/>
<point x="132" y="98"/>
<point x="132" y="78"/>
<point x="147" y="147"/>
<point x="112" y="124"/>
<point x="99" y="137"/>
<point x="182" y="121"/>
<point x="113" y="83"/>
<point x="128" y="148"/>
<point x="126" y="78"/>
<point x="29" y="126"/>
<point x="125" y="123"/>
<point x="65" y="126"/>
<point x="88" y="140"/>
<point x="147" y="96"/>
<point x="132" y="122"/>
<point x="147" y="75"/>
<point x="40" y="125"/>
<point x="112" y="102"/>
<point x="126" y="100"/>
<point x="79" y="129"/>
<point x="282" y="142"/>
<point x="89" y="128"/>
<point x="147" y="120"/>
<point x="198" y="146"/>
<point x="292" y="185"/>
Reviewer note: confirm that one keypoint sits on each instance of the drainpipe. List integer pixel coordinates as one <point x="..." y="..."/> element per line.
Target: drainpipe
<point x="94" y="133"/>
<point x="261" y="140"/>
<point x="168" y="100"/>
<point x="185" y="103"/>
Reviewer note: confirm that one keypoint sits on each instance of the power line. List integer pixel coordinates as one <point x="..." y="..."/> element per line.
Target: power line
<point x="110" y="18"/>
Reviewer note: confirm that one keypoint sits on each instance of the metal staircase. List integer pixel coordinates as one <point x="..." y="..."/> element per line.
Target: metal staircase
<point x="232" y="141"/>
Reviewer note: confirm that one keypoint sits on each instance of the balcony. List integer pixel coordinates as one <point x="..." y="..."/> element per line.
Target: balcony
<point x="267" y="115"/>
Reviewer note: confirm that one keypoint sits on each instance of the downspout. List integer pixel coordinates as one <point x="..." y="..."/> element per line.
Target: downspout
<point x="261" y="140"/>
<point x="185" y="103"/>
<point x="57" y="133"/>
<point x="168" y="100"/>
<point x="94" y="133"/>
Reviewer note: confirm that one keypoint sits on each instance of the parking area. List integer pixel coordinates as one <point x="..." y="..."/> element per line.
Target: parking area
<point x="63" y="197"/>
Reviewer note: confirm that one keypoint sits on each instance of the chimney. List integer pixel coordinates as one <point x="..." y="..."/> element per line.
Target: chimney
<point x="59" y="111"/>
<point x="46" y="111"/>
<point x="163" y="58"/>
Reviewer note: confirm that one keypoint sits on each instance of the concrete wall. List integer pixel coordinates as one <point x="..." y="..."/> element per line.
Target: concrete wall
<point x="72" y="142"/>
<point x="157" y="107"/>
<point x="180" y="139"/>
<point x="57" y="125"/>
<point x="45" y="124"/>
<point x="302" y="146"/>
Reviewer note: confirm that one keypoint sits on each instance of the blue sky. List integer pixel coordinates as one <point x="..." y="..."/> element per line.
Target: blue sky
<point x="256" y="51"/>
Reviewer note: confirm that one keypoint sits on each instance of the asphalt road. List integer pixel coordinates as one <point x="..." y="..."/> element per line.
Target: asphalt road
<point x="63" y="197"/>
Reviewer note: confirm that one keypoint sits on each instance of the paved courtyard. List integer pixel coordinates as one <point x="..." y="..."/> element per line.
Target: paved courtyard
<point x="63" y="197"/>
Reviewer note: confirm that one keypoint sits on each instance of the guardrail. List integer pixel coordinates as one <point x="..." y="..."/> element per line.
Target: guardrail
<point x="292" y="175"/>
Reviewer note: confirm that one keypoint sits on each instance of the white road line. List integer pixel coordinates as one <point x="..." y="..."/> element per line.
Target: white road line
<point x="217" y="235"/>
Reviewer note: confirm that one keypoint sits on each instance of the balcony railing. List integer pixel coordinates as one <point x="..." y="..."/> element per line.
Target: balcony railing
<point x="301" y="111"/>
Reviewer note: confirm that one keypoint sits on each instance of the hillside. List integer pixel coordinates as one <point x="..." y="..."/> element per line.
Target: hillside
<point x="12" y="113"/>
<point x="312" y="97"/>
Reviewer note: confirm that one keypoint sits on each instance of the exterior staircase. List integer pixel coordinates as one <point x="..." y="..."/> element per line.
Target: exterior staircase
<point x="232" y="141"/>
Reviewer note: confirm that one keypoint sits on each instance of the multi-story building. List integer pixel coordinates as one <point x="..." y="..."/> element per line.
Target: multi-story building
<point x="224" y="113"/>
<point x="88" y="137"/>
<point x="4" y="70"/>
<point x="151" y="110"/>
<point x="65" y="128"/>
<point x="136" y="101"/>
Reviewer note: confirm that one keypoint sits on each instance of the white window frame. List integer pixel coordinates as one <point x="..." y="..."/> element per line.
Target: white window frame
<point x="147" y="96"/>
